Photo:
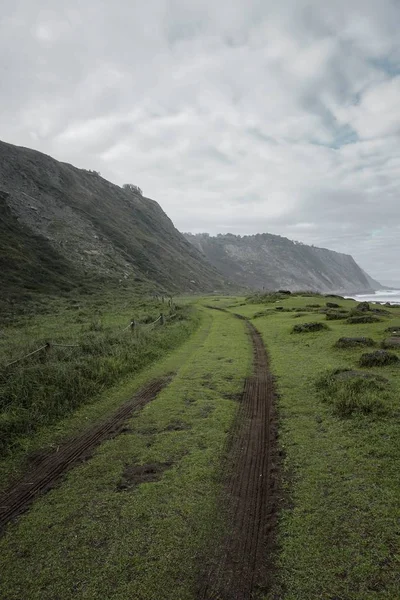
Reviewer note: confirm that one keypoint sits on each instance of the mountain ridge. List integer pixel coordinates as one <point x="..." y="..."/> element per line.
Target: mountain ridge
<point x="268" y="261"/>
<point x="97" y="228"/>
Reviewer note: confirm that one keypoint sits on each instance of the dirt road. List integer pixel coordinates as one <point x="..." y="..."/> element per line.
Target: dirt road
<point x="242" y="566"/>
<point x="47" y="470"/>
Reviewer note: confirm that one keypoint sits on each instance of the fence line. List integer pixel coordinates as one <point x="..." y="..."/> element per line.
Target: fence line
<point x="48" y="345"/>
<point x="26" y="355"/>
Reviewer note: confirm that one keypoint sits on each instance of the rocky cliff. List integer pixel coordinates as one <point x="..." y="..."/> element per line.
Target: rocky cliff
<point x="266" y="261"/>
<point x="62" y="223"/>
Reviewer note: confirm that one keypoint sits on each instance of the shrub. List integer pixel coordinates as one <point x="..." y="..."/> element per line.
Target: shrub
<point x="309" y="327"/>
<point x="332" y="305"/>
<point x="363" y="319"/>
<point x="357" y="342"/>
<point x="394" y="330"/>
<point x="334" y="315"/>
<point x="352" y="392"/>
<point x="334" y="296"/>
<point x="130" y="187"/>
<point x="363" y="306"/>
<point x="379" y="358"/>
<point x="392" y="342"/>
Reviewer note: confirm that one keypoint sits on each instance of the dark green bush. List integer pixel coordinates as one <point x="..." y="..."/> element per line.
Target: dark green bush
<point x="356" y="342"/>
<point x="363" y="319"/>
<point x="309" y="327"/>
<point x="378" y="358"/>
<point x="334" y="315"/>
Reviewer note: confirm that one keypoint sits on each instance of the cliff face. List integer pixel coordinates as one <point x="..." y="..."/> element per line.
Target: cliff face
<point x="266" y="261"/>
<point x="90" y="227"/>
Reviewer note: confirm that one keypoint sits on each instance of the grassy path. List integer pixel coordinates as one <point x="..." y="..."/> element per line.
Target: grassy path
<point x="135" y="520"/>
<point x="242" y="567"/>
<point x="339" y="535"/>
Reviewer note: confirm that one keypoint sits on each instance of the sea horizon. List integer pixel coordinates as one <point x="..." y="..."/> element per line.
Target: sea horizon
<point x="379" y="296"/>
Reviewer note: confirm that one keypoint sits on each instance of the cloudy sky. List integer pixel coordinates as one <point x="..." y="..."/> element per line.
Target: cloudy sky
<point x="235" y="115"/>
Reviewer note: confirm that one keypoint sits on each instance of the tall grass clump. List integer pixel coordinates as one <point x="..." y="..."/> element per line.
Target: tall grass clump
<point x="51" y="384"/>
<point x="354" y="392"/>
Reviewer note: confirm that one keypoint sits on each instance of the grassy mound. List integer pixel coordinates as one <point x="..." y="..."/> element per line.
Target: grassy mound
<point x="309" y="327"/>
<point x="394" y="330"/>
<point x="391" y="342"/>
<point x="363" y="319"/>
<point x="354" y="392"/>
<point x="379" y="358"/>
<point x="356" y="342"/>
<point x="335" y="315"/>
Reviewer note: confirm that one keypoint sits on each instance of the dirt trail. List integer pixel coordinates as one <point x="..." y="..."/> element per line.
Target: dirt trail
<point x="52" y="466"/>
<point x="242" y="567"/>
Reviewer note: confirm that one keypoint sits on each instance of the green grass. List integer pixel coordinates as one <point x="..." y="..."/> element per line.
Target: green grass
<point x="89" y="539"/>
<point x="339" y="525"/>
<point x="43" y="388"/>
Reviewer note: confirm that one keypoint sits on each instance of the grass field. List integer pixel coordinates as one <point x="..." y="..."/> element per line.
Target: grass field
<point x="140" y="519"/>
<point x="90" y="538"/>
<point x="91" y="350"/>
<point x="339" y="526"/>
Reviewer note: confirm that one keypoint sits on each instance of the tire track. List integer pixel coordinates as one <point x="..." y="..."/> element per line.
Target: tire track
<point x="18" y="497"/>
<point x="242" y="567"/>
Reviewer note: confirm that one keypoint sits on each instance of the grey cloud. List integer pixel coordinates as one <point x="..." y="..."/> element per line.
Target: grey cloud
<point x="242" y="116"/>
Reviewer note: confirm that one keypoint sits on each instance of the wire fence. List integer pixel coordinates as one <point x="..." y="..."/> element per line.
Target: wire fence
<point x="133" y="326"/>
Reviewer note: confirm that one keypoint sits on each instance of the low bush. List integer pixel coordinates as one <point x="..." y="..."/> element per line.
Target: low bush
<point x="394" y="330"/>
<point x="379" y="358"/>
<point x="332" y="305"/>
<point x="356" y="342"/>
<point x="334" y="315"/>
<point x="334" y="296"/>
<point x="363" y="319"/>
<point x="391" y="342"/>
<point x="309" y="327"/>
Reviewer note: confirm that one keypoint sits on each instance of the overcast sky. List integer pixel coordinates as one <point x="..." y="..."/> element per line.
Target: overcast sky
<point x="239" y="116"/>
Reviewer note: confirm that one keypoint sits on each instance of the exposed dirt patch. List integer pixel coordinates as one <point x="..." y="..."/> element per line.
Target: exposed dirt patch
<point x="18" y="497"/>
<point x="134" y="475"/>
<point x="243" y="564"/>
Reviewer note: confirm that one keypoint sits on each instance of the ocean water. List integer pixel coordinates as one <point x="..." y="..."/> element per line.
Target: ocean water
<point x="381" y="296"/>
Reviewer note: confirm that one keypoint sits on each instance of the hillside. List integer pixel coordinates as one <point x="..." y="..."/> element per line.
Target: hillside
<point x="66" y="224"/>
<point x="266" y="261"/>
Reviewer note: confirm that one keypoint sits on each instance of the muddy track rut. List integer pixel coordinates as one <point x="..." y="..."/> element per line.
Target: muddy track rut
<point x="242" y="567"/>
<point x="43" y="475"/>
